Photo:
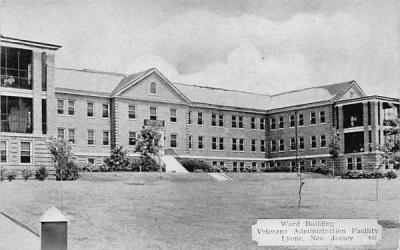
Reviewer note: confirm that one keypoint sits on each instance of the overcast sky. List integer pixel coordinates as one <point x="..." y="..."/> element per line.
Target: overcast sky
<point x="259" y="46"/>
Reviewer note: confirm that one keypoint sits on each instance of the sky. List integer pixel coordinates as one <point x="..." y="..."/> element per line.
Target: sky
<point x="262" y="46"/>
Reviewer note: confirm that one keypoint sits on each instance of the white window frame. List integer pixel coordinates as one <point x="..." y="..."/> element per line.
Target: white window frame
<point x="71" y="107"/>
<point x="171" y="140"/>
<point x="94" y="137"/>
<point x="200" y="117"/>
<point x="30" y="152"/>
<point x="69" y="133"/>
<point x="200" y="142"/>
<point x="311" y="142"/>
<point x="58" y="134"/>
<point x="320" y="141"/>
<point x="131" y="137"/>
<point x="130" y="111"/>
<point x="63" y="107"/>
<point x="6" y="150"/>
<point x="108" y="138"/>
<point x="108" y="111"/>
<point x="87" y="109"/>
<point x="173" y="117"/>
<point x="153" y="108"/>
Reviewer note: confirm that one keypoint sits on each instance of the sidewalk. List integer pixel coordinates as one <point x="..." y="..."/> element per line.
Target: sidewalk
<point x="15" y="237"/>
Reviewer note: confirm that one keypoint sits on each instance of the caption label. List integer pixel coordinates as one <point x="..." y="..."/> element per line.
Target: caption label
<point x="304" y="232"/>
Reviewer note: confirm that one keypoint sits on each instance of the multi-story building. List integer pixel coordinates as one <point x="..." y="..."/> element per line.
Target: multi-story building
<point x="96" y="111"/>
<point x="27" y="99"/>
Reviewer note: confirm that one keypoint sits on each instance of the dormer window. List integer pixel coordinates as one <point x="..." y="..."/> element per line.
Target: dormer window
<point x="153" y="88"/>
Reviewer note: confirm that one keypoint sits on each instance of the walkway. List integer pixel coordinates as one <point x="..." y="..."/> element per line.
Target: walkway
<point x="15" y="237"/>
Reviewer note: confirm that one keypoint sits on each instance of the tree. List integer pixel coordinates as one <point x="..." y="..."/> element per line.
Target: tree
<point x="334" y="148"/>
<point x="147" y="144"/>
<point x="63" y="157"/>
<point x="391" y="148"/>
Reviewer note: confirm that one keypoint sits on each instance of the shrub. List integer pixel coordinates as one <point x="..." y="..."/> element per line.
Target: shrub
<point x="41" y="173"/>
<point x="2" y="174"/>
<point x="148" y="164"/>
<point x="91" y="168"/>
<point x="68" y="172"/>
<point x="11" y="175"/>
<point x="193" y="165"/>
<point x="391" y="175"/>
<point x="118" y="160"/>
<point x="322" y="170"/>
<point x="277" y="169"/>
<point x="26" y="173"/>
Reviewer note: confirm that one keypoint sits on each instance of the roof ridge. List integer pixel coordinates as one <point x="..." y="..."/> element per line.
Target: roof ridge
<point x="217" y="88"/>
<point x="313" y="87"/>
<point x="93" y="71"/>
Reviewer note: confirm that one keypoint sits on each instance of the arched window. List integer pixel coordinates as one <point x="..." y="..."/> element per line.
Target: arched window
<point x="153" y="88"/>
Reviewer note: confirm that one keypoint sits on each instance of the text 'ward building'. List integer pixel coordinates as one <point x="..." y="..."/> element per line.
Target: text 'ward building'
<point x="97" y="111"/>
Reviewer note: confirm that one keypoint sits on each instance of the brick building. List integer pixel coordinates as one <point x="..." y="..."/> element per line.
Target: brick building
<point x="96" y="111"/>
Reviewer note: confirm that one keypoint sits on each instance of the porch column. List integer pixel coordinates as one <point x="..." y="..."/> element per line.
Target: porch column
<point x="37" y="93"/>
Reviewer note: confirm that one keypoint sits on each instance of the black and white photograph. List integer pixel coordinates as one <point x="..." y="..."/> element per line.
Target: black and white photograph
<point x="199" y="124"/>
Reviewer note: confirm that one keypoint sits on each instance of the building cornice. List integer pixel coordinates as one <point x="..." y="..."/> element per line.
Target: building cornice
<point x="29" y="43"/>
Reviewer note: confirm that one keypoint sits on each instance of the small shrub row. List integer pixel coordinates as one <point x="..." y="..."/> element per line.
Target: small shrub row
<point x="322" y="170"/>
<point x="277" y="169"/>
<point x="193" y="165"/>
<point x="369" y="175"/>
<point x="11" y="175"/>
<point x="143" y="164"/>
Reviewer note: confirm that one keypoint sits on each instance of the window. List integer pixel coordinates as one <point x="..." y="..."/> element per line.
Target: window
<point x="106" y="137"/>
<point x="240" y="121"/>
<point x="16" y="68"/>
<point x="241" y="166"/>
<point x="61" y="133"/>
<point x="241" y="144"/>
<point x="323" y="141"/>
<point x="172" y="115"/>
<point x="91" y="161"/>
<point x="44" y="116"/>
<point x="235" y="166"/>
<point x="213" y="119"/>
<point x="3" y="151"/>
<point x="273" y="145"/>
<point x="281" y="124"/>
<point x="106" y="111"/>
<point x="358" y="162"/>
<point x="281" y="145"/>
<point x="71" y="107"/>
<point x="214" y="163"/>
<point x="221" y="143"/>
<point x="313" y="120"/>
<point x="323" y="162"/>
<point x="90" y="109"/>
<point x="254" y="165"/>
<point x="153" y="88"/>
<point x="262" y="145"/>
<point x="200" y="142"/>
<point x="71" y="135"/>
<point x="234" y="124"/>
<point x="313" y="141"/>
<point x="132" y="138"/>
<point x="301" y="142"/>
<point x="174" y="141"/>
<point x="60" y="107"/>
<point x="221" y="164"/>
<point x="292" y="143"/>
<point x="262" y="123"/>
<point x="272" y="123"/>
<point x="234" y="144"/>
<point x="300" y="120"/>
<point x="214" y="143"/>
<point x="132" y="112"/>
<point x="16" y="114"/>
<point x="292" y="121"/>
<point x="253" y="145"/>
<point x="253" y="123"/>
<point x="313" y="163"/>
<point x="153" y="113"/>
<point x="293" y="165"/>
<point x="189" y="118"/>
<point x="349" y="163"/>
<point x="91" y="137"/>
<point x="322" y="116"/>
<point x="221" y="120"/>
<point x="190" y="142"/>
<point x="200" y="118"/>
<point x="25" y="152"/>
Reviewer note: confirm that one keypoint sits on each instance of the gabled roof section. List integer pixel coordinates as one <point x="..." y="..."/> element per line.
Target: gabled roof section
<point x="322" y="93"/>
<point x="224" y="97"/>
<point x="133" y="79"/>
<point x="87" y="80"/>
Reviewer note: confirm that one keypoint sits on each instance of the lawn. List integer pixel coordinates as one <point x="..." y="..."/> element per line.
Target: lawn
<point x="191" y="211"/>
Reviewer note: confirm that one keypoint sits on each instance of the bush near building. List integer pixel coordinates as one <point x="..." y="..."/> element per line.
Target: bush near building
<point x="193" y="165"/>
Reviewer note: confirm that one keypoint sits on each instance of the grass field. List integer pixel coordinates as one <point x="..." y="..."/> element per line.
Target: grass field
<point x="140" y="211"/>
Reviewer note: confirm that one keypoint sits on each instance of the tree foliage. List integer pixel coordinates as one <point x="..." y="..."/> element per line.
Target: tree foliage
<point x="61" y="151"/>
<point x="147" y="142"/>
<point x="118" y="159"/>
